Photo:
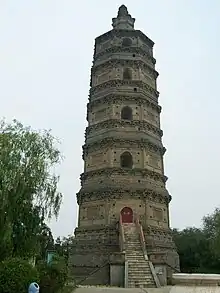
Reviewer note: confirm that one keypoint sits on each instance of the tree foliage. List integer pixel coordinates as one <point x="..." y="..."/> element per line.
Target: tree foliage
<point x="16" y="275"/>
<point x="63" y="246"/>
<point x="53" y="277"/>
<point x="199" y="249"/>
<point x="28" y="186"/>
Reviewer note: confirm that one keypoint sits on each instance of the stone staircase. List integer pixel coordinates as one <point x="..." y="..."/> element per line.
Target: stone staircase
<point x="139" y="271"/>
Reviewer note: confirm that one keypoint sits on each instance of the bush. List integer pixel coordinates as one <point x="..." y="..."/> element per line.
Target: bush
<point x="53" y="277"/>
<point x="16" y="275"/>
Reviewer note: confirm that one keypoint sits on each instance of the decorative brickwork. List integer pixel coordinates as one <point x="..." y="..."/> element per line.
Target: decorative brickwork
<point x="123" y="155"/>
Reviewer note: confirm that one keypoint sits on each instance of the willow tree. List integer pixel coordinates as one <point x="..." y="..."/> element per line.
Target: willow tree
<point x="28" y="186"/>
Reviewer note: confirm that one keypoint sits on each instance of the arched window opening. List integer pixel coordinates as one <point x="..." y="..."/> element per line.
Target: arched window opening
<point x="126" y="42"/>
<point x="127" y="74"/>
<point x="126" y="113"/>
<point x="126" y="160"/>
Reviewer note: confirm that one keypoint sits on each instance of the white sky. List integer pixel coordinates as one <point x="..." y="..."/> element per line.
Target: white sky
<point x="46" y="50"/>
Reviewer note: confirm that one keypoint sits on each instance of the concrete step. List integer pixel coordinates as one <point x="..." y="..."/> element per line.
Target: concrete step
<point x="133" y="247"/>
<point x="138" y="274"/>
<point x="141" y="285"/>
<point x="141" y="273"/>
<point x="134" y="252"/>
<point x="142" y="268"/>
<point x="135" y="258"/>
<point x="138" y="249"/>
<point x="144" y="272"/>
<point x="135" y="255"/>
<point x="136" y="281"/>
<point x="139" y="268"/>
<point x="141" y="280"/>
<point x="130" y="249"/>
<point x="134" y="238"/>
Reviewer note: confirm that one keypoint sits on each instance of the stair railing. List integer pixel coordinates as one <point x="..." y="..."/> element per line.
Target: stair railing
<point x="143" y="245"/>
<point x="92" y="273"/>
<point x="121" y="235"/>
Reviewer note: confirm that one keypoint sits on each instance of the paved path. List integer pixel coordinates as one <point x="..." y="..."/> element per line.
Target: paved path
<point x="174" y="289"/>
<point x="120" y="290"/>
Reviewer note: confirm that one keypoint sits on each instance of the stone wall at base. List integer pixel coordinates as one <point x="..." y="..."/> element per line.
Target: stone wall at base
<point x="84" y="275"/>
<point x="91" y="261"/>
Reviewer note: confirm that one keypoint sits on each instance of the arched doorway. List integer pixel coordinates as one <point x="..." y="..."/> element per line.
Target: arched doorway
<point x="127" y="215"/>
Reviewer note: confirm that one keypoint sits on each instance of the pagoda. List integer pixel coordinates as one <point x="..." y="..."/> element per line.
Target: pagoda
<point x="123" y="236"/>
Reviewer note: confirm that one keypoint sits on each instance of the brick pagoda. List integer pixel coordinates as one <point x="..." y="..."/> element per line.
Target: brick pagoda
<point x="123" y="236"/>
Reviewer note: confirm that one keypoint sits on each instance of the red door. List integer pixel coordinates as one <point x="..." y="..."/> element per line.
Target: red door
<point x="127" y="215"/>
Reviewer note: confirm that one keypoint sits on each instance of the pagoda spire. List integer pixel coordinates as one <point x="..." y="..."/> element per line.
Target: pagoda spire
<point x="123" y="19"/>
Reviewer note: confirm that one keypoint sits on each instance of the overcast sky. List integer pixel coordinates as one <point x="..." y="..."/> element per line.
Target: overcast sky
<point x="46" y="49"/>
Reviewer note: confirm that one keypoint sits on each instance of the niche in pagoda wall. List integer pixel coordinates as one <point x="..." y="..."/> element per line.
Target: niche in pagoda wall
<point x="92" y="213"/>
<point x="118" y="110"/>
<point x="103" y="46"/>
<point x="126" y="72"/>
<point x="137" y="157"/>
<point x="153" y="161"/>
<point x="156" y="214"/>
<point x="99" y="114"/>
<point x="97" y="160"/>
<point x="102" y="76"/>
<point x="120" y="72"/>
<point x="151" y="116"/>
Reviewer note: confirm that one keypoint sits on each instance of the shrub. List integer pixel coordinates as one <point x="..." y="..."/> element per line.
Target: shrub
<point x="16" y="275"/>
<point x="53" y="277"/>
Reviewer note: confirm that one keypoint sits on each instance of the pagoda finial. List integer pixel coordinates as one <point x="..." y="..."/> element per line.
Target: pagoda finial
<point x="122" y="11"/>
<point x="123" y="19"/>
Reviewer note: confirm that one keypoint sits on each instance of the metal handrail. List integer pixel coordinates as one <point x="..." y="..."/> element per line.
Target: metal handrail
<point x="175" y="269"/>
<point x="143" y="243"/>
<point x="121" y="235"/>
<point x="92" y="273"/>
